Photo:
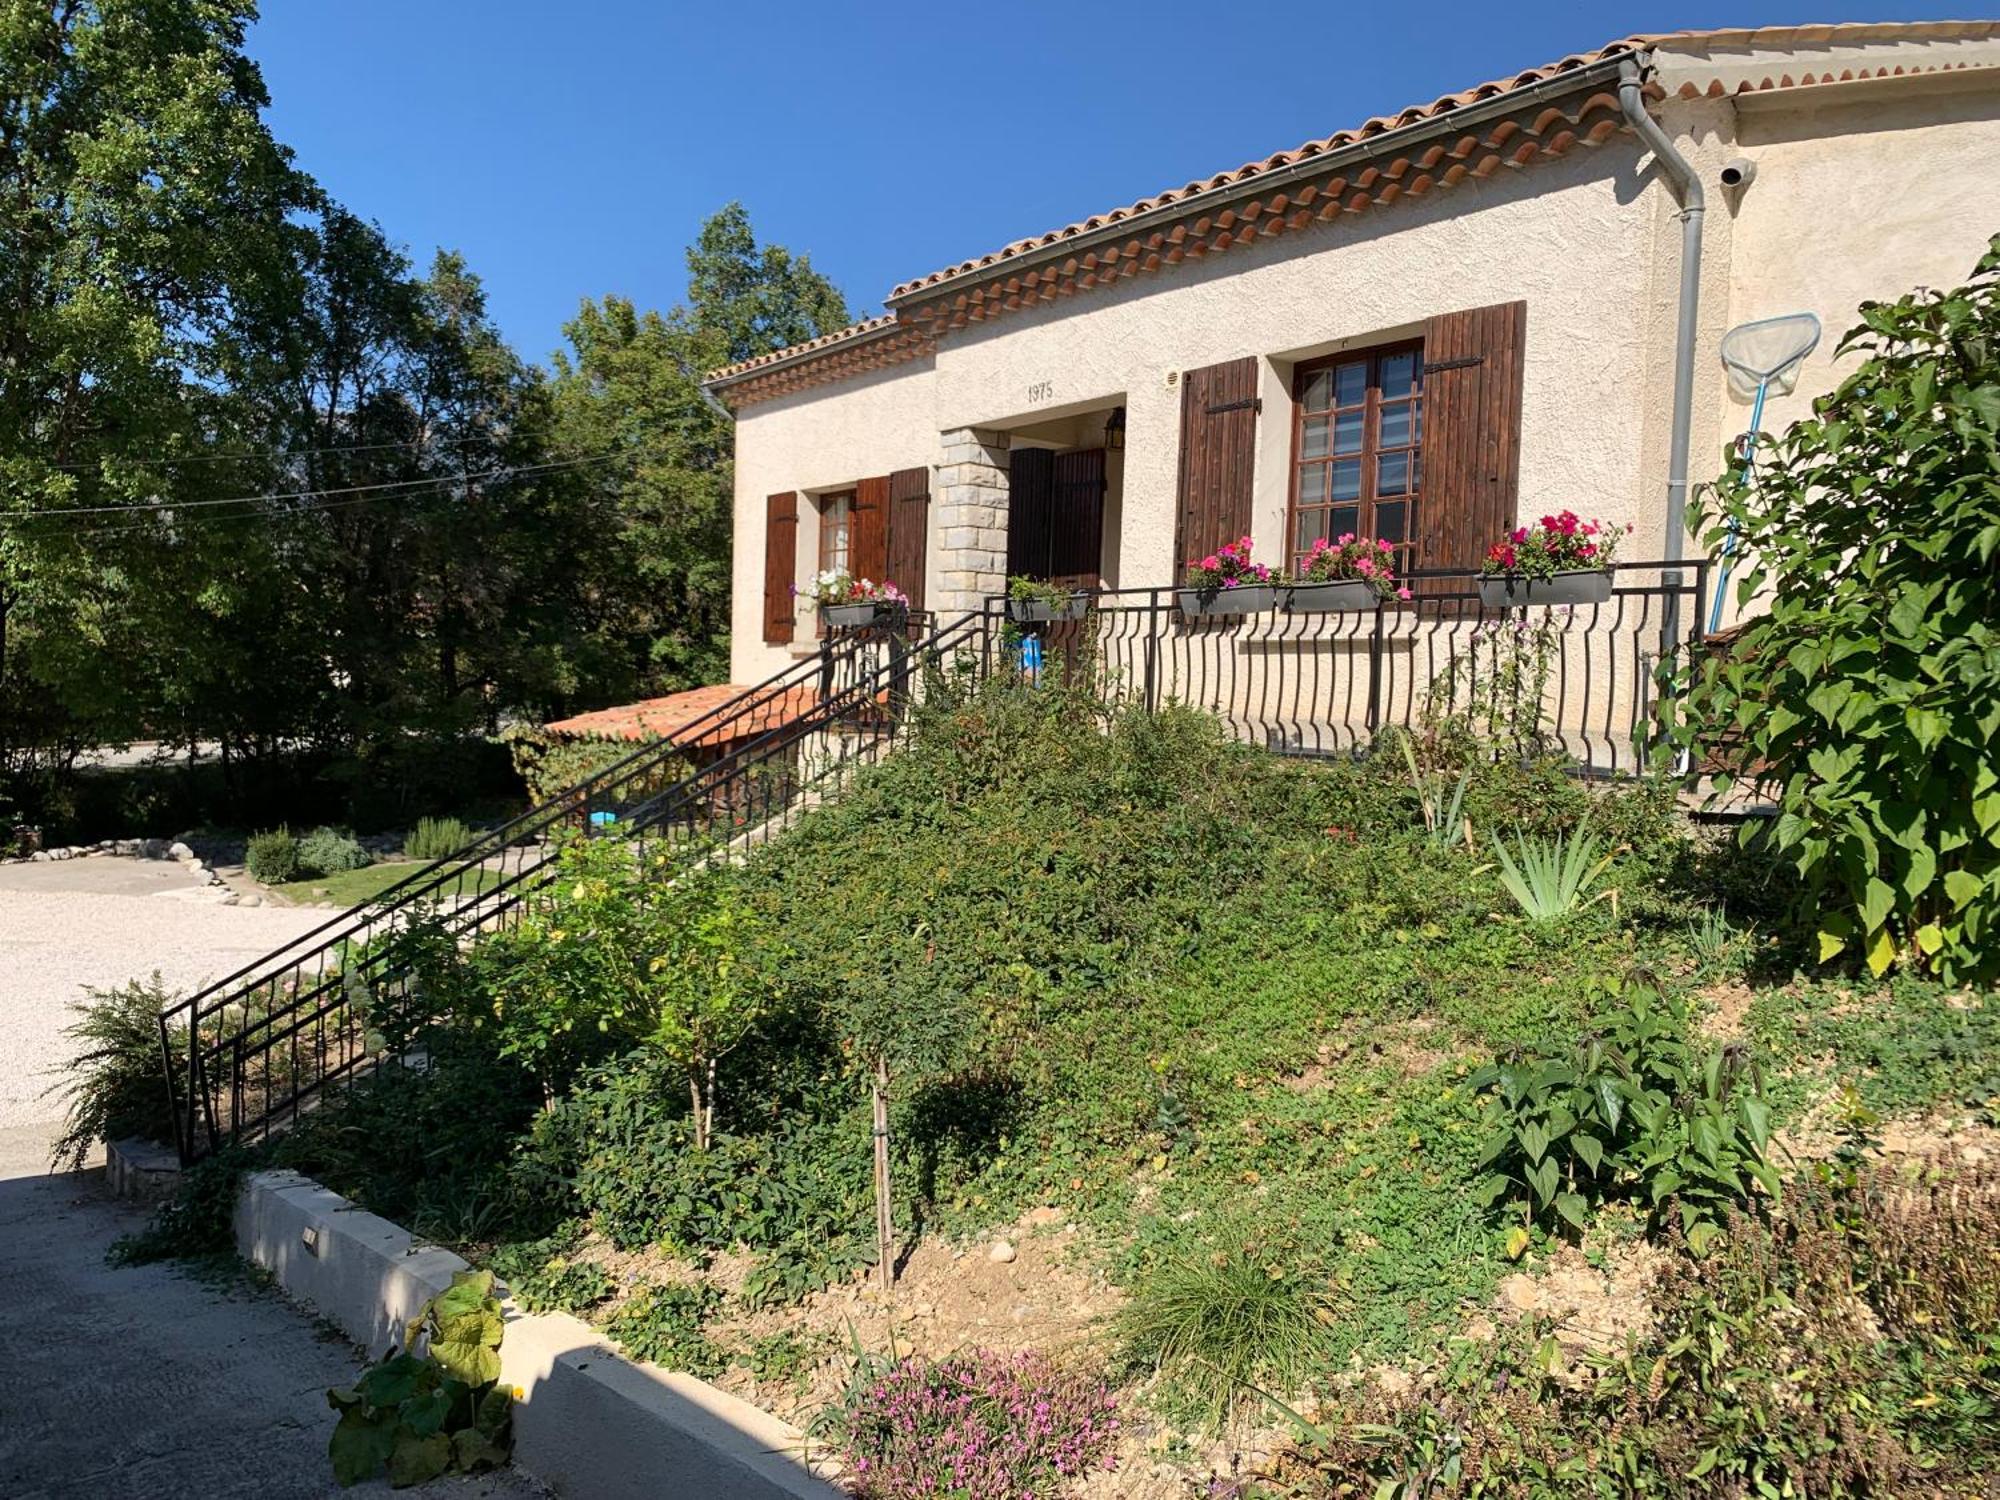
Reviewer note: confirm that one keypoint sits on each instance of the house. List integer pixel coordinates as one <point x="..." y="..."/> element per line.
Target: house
<point x="1417" y="329"/>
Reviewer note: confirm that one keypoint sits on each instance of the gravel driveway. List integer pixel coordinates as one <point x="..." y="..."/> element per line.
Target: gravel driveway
<point x="68" y="925"/>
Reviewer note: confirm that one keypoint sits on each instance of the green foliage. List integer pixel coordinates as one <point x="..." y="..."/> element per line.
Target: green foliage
<point x="1548" y="878"/>
<point x="1492" y="696"/>
<point x="1632" y="1110"/>
<point x="437" y="838"/>
<point x="664" y="1325"/>
<point x="442" y="1411"/>
<point x="1869" y="695"/>
<point x="1224" y="1321"/>
<point x="796" y="1195"/>
<point x="198" y="1222"/>
<point x="549" y="767"/>
<point x="115" y="1082"/>
<point x="1022" y="589"/>
<point x="272" y="857"/>
<point x="1714" y="940"/>
<point x="1846" y="1349"/>
<point x="1902" y="1048"/>
<point x="328" y="851"/>
<point x="1445" y="822"/>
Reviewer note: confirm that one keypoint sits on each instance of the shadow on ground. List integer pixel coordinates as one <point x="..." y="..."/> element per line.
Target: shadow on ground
<point x="147" y="1382"/>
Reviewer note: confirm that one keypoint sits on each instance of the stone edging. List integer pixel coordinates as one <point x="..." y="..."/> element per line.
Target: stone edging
<point x="587" y="1421"/>
<point x="172" y="849"/>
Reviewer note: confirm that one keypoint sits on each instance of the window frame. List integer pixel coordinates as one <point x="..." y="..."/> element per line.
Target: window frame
<point x="823" y="506"/>
<point x="1369" y="453"/>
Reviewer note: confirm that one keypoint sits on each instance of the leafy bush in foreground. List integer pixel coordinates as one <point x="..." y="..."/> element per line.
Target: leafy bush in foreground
<point x="1634" y="1108"/>
<point x="115" y="1083"/>
<point x="1869" y="695"/>
<point x="420" y="1415"/>
<point x="1848" y="1348"/>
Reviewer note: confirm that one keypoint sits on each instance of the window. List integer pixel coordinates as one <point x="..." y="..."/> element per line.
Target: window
<point x="836" y="528"/>
<point x="1357" y="448"/>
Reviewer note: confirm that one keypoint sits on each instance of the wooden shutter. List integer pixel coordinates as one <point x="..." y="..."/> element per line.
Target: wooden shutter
<point x="781" y="563"/>
<point x="1218" y="456"/>
<point x="868" y="530"/>
<point x="1031" y="498"/>
<point x="1076" y="545"/>
<point x="909" y="531"/>
<point x="1472" y="433"/>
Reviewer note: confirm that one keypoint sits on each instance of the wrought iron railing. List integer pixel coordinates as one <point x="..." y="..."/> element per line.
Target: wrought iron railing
<point x="249" y="1053"/>
<point x="1580" y="681"/>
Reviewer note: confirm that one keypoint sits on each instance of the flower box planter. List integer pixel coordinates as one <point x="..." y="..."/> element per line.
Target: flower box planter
<point x="1221" y="604"/>
<point x="1572" y="586"/>
<point x="858" y="616"/>
<point x="1336" y="596"/>
<point x="1044" y="611"/>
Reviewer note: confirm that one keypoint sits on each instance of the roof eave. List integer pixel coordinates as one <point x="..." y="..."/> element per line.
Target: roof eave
<point x="804" y="355"/>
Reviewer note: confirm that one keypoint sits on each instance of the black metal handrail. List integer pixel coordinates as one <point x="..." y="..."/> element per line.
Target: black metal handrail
<point x="1323" y="683"/>
<point x="260" y="1045"/>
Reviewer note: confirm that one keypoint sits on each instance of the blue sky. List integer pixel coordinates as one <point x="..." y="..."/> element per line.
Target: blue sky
<point x="572" y="149"/>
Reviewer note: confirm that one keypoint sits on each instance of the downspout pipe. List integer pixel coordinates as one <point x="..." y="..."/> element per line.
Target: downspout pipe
<point x="1686" y="187"/>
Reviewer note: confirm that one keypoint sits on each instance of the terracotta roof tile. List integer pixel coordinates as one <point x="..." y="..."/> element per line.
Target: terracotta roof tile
<point x="669" y="717"/>
<point x="910" y="331"/>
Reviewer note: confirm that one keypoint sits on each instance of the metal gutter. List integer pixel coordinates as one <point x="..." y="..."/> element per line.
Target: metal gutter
<point x="1604" y="70"/>
<point x="1686" y="185"/>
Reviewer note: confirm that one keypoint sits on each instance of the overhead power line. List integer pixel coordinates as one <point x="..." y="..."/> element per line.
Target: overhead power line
<point x="382" y="490"/>
<point x="274" y="454"/>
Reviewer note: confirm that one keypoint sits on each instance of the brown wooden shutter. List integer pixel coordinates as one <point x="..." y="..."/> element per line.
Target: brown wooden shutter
<point x="1076" y="545"/>
<point x="1472" y="433"/>
<point x="868" y="530"/>
<point x="1031" y="498"/>
<point x="1218" y="456"/>
<point x="909" y="531"/>
<point x="781" y="562"/>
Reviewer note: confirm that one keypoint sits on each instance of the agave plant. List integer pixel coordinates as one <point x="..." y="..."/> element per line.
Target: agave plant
<point x="1549" y="878"/>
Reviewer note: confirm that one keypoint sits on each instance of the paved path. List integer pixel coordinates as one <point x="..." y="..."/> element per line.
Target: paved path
<point x="69" y="924"/>
<point x="144" y="1384"/>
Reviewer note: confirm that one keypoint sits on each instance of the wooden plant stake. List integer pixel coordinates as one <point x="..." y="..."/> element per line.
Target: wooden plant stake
<point x="885" y="1228"/>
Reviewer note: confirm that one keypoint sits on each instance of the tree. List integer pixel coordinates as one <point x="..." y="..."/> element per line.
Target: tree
<point x="701" y="979"/>
<point x="902" y="1017"/>
<point x="1869" y="695"/>
<point x="142" y="204"/>
<point x="630" y="384"/>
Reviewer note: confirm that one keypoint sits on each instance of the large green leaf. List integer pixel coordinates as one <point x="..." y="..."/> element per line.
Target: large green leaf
<point x="418" y="1460"/>
<point x="360" y="1445"/>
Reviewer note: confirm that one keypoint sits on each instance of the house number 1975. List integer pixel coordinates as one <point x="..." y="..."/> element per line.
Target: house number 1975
<point x="1040" y="391"/>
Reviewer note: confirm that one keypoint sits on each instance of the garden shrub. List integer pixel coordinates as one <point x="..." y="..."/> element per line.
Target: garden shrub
<point x="977" y="1425"/>
<point x="115" y="1084"/>
<point x="1869" y="695"/>
<point x="549" y="767"/>
<point x="272" y="857"/>
<point x="420" y="1415"/>
<point x="665" y="1325"/>
<point x="1220" y="1321"/>
<point x="1847" y="1348"/>
<point x="328" y="851"/>
<point x="436" y="838"/>
<point x="198" y="1222"/>
<point x="1634" y="1108"/>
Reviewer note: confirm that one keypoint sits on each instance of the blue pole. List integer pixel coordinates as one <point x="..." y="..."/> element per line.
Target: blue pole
<point x="1729" y="542"/>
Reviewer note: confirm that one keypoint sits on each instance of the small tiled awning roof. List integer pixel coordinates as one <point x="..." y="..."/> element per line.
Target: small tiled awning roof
<point x="689" y="719"/>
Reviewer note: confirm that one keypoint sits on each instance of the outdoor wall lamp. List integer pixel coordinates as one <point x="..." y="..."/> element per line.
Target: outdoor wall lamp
<point x="1114" y="430"/>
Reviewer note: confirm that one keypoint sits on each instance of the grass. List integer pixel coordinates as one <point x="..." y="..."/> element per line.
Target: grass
<point x="353" y="887"/>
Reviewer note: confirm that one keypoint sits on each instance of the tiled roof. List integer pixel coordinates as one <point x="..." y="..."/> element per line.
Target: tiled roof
<point x="667" y="718"/>
<point x="924" y="306"/>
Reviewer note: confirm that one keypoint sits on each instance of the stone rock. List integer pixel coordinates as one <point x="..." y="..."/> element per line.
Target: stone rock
<point x="41" y="856"/>
<point x="152" y="848"/>
<point x="1044" y="1217"/>
<point x="1520" y="1293"/>
<point x="1002" y="1252"/>
<point x="180" y="851"/>
<point x="250" y="901"/>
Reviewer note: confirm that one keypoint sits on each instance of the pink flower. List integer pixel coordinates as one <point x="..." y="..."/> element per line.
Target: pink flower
<point x="1402" y="593"/>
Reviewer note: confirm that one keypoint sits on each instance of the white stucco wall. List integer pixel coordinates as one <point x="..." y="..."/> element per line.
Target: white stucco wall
<point x="1862" y="190"/>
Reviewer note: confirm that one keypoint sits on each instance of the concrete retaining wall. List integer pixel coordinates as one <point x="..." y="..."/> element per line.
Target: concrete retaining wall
<point x="587" y="1421"/>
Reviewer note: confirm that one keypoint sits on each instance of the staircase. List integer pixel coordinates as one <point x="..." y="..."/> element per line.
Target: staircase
<point x="247" y="1056"/>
